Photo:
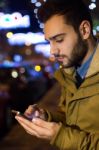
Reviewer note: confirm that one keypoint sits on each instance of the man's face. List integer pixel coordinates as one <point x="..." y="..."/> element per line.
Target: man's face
<point x="66" y="46"/>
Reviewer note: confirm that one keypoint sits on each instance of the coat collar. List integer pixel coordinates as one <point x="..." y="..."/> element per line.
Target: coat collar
<point x="94" y="66"/>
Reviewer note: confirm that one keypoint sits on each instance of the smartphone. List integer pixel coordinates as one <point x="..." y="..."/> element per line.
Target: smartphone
<point x="29" y="117"/>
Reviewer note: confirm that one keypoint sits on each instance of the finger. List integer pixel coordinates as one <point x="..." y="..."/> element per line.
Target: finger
<point x="42" y="123"/>
<point x="30" y="133"/>
<point x="32" y="128"/>
<point x="27" y="129"/>
<point x="37" y="113"/>
<point x="25" y="123"/>
<point x="29" y="110"/>
<point x="42" y="110"/>
<point x="29" y="124"/>
<point x="38" y="136"/>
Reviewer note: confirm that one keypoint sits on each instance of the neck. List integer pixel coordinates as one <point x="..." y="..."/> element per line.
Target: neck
<point x="91" y="47"/>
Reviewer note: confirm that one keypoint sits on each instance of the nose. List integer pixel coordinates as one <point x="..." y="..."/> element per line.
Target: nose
<point x="53" y="49"/>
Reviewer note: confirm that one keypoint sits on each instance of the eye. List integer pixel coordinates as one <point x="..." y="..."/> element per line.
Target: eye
<point x="59" y="40"/>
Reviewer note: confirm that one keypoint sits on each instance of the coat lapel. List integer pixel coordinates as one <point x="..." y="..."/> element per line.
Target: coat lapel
<point x="94" y="66"/>
<point x="91" y="84"/>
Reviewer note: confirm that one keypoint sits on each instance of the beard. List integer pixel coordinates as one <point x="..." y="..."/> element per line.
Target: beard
<point x="78" y="53"/>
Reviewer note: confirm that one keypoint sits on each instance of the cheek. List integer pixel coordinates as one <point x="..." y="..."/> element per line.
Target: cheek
<point x="66" y="48"/>
<point x="69" y="44"/>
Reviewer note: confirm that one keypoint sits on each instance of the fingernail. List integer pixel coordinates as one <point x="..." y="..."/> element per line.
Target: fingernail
<point x="34" y="120"/>
<point x="17" y="117"/>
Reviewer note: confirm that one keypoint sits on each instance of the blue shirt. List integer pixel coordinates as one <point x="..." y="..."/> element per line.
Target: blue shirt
<point x="82" y="70"/>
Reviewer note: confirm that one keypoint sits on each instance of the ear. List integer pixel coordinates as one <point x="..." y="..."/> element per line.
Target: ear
<point x="85" y="29"/>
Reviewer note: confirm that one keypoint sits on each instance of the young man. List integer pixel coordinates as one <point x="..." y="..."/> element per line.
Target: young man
<point x="68" y="28"/>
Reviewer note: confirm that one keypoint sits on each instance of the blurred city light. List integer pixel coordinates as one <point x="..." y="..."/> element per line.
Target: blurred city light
<point x="17" y="58"/>
<point x="94" y="32"/>
<point x="26" y="38"/>
<point x="43" y="48"/>
<point x="14" y="20"/>
<point x="38" y="4"/>
<point x="28" y="43"/>
<point x="92" y="6"/>
<point x="35" y="10"/>
<point x="97" y="28"/>
<point x="93" y="1"/>
<point x="22" y="70"/>
<point x="38" y="68"/>
<point x="28" y="51"/>
<point x="33" y="1"/>
<point x="14" y="74"/>
<point x="41" y="25"/>
<point x="9" y="34"/>
<point x="7" y="63"/>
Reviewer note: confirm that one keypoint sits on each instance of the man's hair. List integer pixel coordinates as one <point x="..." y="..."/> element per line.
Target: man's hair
<point x="74" y="12"/>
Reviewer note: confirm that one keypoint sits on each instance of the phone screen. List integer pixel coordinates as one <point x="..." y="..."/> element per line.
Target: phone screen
<point x="30" y="117"/>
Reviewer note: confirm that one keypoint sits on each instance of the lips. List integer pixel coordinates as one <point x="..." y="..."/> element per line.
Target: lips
<point x="56" y="58"/>
<point x="60" y="59"/>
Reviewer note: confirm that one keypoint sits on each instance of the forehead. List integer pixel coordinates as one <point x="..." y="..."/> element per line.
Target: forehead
<point x="56" y="25"/>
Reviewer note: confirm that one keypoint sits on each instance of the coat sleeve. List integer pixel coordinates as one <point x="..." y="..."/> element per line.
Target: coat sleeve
<point x="70" y="138"/>
<point x="58" y="114"/>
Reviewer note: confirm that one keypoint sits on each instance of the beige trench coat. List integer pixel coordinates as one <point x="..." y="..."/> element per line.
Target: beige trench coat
<point x="80" y="128"/>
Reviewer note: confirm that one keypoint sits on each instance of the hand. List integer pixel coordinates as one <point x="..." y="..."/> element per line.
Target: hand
<point x="39" y="128"/>
<point x="34" y="111"/>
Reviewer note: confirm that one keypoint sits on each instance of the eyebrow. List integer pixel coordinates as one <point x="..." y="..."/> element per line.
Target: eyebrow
<point x="55" y="36"/>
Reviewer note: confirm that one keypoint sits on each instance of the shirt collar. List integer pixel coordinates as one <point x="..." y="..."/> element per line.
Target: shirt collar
<point x="82" y="70"/>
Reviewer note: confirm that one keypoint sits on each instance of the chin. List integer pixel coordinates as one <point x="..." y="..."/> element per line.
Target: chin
<point x="67" y="65"/>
